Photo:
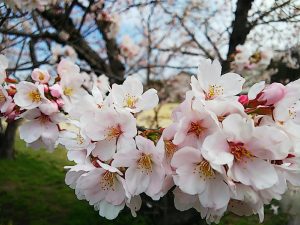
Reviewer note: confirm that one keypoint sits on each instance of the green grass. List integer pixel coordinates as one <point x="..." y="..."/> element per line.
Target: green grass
<point x="33" y="192"/>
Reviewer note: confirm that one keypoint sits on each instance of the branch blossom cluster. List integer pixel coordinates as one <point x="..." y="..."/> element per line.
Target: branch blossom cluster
<point x="222" y="152"/>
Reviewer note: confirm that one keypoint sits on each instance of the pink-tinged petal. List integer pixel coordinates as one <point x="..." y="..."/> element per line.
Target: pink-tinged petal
<point x="144" y="144"/>
<point x="148" y="100"/>
<point x="250" y="172"/>
<point x="35" y="129"/>
<point x="118" y="94"/>
<point x="270" y="143"/>
<point x="156" y="182"/>
<point x="208" y="73"/>
<point x="215" y="149"/>
<point x="256" y="89"/>
<point x="90" y="179"/>
<point x="133" y="86"/>
<point x="109" y="168"/>
<point x="137" y="181"/>
<point x="127" y="123"/>
<point x="125" y="144"/>
<point x="237" y="128"/>
<point x="189" y="181"/>
<point x="77" y="156"/>
<point x="117" y="196"/>
<point x="231" y="83"/>
<point x="183" y="201"/>
<point x="216" y="194"/>
<point x="126" y="159"/>
<point x="186" y="155"/>
<point x="105" y="149"/>
<point x="50" y="134"/>
<point x="109" y="211"/>
<point x="31" y="114"/>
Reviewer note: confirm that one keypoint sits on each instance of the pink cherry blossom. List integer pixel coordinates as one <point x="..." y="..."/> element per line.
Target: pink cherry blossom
<point x="130" y="96"/>
<point x="145" y="172"/>
<point x="40" y="76"/>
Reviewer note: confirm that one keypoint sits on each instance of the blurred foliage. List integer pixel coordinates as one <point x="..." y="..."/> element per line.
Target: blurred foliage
<point x="33" y="192"/>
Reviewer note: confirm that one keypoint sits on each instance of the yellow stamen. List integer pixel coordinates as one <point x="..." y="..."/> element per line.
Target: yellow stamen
<point x="108" y="180"/>
<point x="35" y="96"/>
<point x="239" y="151"/>
<point x="145" y="163"/>
<point x="214" y="91"/>
<point x="170" y="149"/>
<point x="68" y="91"/>
<point x="130" y="101"/>
<point x="205" y="170"/>
<point x="256" y="57"/>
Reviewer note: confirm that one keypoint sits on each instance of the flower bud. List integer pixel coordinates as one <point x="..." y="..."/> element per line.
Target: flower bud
<point x="55" y="90"/>
<point x="243" y="99"/>
<point x="272" y="94"/>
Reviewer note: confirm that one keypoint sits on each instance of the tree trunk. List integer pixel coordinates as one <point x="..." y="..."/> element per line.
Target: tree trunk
<point x="7" y="139"/>
<point x="240" y="29"/>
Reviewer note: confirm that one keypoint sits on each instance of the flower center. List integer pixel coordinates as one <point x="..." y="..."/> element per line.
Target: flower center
<point x="239" y="151"/>
<point x="44" y="119"/>
<point x="205" y="169"/>
<point x="68" y="91"/>
<point x="196" y="128"/>
<point x="145" y="163"/>
<point x="2" y="97"/>
<point x="114" y="132"/>
<point x="35" y="96"/>
<point x="170" y="149"/>
<point x="256" y="57"/>
<point x="41" y="76"/>
<point x="79" y="139"/>
<point x="108" y="180"/>
<point x="214" y="91"/>
<point x="130" y="101"/>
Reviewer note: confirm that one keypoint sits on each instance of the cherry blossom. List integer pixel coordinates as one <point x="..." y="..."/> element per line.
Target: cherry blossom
<point x="130" y="96"/>
<point x="211" y="84"/>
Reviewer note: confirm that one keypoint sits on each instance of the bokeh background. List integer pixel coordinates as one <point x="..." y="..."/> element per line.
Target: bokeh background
<point x="158" y="41"/>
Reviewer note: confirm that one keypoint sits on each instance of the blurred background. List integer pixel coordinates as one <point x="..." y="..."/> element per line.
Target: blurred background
<point x="159" y="41"/>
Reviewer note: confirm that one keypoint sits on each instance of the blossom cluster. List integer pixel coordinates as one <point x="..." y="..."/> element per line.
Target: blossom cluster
<point x="222" y="152"/>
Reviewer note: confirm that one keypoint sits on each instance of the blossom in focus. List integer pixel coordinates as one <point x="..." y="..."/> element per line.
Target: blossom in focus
<point x="104" y="183"/>
<point x="244" y="147"/>
<point x="130" y="96"/>
<point x="29" y="95"/>
<point x="145" y="171"/>
<point x="113" y="131"/>
<point x="196" y="175"/>
<point x="210" y="84"/>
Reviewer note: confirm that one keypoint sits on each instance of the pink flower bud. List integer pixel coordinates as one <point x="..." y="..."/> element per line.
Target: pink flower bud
<point x="272" y="94"/>
<point x="46" y="88"/>
<point x="60" y="102"/>
<point x="243" y="99"/>
<point x="40" y="76"/>
<point x="55" y="90"/>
